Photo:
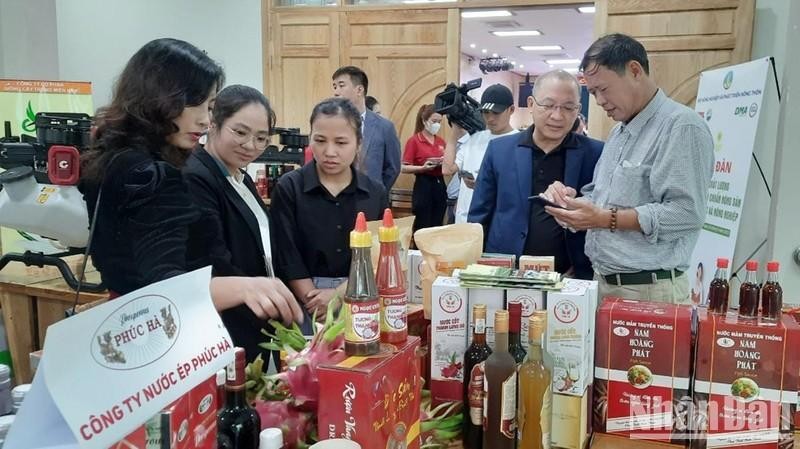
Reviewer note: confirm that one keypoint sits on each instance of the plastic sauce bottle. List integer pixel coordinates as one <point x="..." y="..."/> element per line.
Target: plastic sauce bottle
<point x="719" y="289"/>
<point x="362" y="312"/>
<point x="772" y="294"/>
<point x="391" y="284"/>
<point x="749" y="292"/>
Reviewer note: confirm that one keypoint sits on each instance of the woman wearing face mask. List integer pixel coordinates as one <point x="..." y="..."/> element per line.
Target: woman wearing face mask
<point x="143" y="217"/>
<point x="239" y="238"/>
<point x="423" y="157"/>
<point x="315" y="208"/>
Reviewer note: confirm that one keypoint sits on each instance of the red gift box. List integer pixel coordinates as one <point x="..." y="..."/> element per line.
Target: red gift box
<point x="373" y="401"/>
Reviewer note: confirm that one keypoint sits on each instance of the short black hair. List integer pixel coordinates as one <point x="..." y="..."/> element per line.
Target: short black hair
<point x="233" y="98"/>
<point x="357" y="76"/>
<point x="371" y="102"/>
<point x="614" y="52"/>
<point x="338" y="107"/>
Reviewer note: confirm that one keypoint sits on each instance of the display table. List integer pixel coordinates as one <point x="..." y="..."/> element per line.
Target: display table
<point x="32" y="299"/>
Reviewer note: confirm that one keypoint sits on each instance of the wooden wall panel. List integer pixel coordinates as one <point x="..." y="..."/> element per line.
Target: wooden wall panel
<point x="682" y="38"/>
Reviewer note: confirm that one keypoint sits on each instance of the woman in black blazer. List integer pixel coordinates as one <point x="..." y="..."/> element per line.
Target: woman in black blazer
<point x="238" y="240"/>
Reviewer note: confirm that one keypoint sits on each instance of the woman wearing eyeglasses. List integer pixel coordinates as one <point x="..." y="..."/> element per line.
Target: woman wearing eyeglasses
<point x="237" y="240"/>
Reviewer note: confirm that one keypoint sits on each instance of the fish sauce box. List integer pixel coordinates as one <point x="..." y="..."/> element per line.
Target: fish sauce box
<point x="448" y="342"/>
<point x="642" y="370"/>
<point x="414" y="277"/>
<point x="746" y="378"/>
<point x="374" y="400"/>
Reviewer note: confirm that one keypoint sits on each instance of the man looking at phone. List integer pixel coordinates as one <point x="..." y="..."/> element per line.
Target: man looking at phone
<point x="497" y="105"/>
<point x="518" y="168"/>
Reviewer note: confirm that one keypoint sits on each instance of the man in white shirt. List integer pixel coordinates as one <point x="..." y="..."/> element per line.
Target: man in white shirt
<point x="497" y="105"/>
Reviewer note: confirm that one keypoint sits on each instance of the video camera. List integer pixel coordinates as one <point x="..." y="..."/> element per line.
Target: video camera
<point x="293" y="143"/>
<point x="459" y="107"/>
<point x="54" y="152"/>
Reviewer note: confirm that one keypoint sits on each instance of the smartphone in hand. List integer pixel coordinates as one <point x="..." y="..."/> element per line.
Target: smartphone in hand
<point x="545" y="202"/>
<point x="464" y="174"/>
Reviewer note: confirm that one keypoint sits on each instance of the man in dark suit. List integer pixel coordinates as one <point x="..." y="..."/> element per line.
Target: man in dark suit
<point x="380" y="149"/>
<point x="528" y="163"/>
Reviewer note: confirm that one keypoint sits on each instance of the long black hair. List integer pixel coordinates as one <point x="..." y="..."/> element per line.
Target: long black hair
<point x="159" y="81"/>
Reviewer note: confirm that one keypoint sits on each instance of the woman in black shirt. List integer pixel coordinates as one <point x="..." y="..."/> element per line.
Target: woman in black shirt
<point x="145" y="217"/>
<point x="315" y="207"/>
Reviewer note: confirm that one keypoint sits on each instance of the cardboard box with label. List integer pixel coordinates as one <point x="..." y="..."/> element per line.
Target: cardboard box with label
<point x="494" y="300"/>
<point x="531" y="300"/>
<point x="414" y="277"/>
<point x="449" y="337"/>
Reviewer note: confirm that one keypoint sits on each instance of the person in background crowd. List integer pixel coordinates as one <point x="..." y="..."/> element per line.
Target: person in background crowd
<point x="372" y="104"/>
<point x="142" y="215"/>
<point x="454" y="185"/>
<point x="315" y="208"/>
<point x="523" y="165"/>
<point x="423" y="158"/>
<point x="580" y="125"/>
<point x="698" y="296"/>
<point x="497" y="105"/>
<point x="380" y="149"/>
<point x="647" y="202"/>
<point x="239" y="239"/>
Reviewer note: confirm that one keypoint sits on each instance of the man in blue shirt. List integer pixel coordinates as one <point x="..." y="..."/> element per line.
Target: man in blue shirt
<point x="380" y="149"/>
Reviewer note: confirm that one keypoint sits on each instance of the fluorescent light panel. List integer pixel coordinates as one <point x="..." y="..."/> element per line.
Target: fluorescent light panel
<point x="541" y="47"/>
<point x="517" y="33"/>
<point x="482" y="14"/>
<point x="586" y="9"/>
<point x="562" y="61"/>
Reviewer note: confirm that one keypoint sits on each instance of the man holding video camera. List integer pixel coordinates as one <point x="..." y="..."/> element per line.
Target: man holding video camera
<point x="497" y="105"/>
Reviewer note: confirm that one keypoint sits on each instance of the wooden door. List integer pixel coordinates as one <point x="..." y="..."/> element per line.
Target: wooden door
<point x="682" y="38"/>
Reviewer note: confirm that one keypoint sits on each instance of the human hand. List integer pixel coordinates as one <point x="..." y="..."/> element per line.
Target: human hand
<point x="270" y="298"/>
<point x="317" y="301"/>
<point x="429" y="165"/>
<point x="469" y="182"/>
<point x="580" y="214"/>
<point x="558" y="193"/>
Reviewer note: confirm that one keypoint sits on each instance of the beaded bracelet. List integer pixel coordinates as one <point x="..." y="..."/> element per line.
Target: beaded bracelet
<point x="613" y="226"/>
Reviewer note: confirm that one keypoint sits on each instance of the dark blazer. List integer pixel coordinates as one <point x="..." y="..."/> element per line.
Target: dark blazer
<point x="232" y="243"/>
<point x="380" y="150"/>
<point x="501" y="205"/>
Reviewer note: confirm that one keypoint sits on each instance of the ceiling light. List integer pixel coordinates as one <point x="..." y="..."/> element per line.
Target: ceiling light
<point x="494" y="55"/>
<point x="521" y="66"/>
<point x="517" y="33"/>
<point x="472" y="45"/>
<point x="541" y="47"/>
<point x="562" y="61"/>
<point x="586" y="9"/>
<point x="481" y="14"/>
<point x="483" y="50"/>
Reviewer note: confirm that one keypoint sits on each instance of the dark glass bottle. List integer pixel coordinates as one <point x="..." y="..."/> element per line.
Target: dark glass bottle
<point x="362" y="312"/>
<point x="476" y="354"/>
<point x="772" y="294"/>
<point x="515" y="347"/>
<point x="719" y="290"/>
<point x="500" y="391"/>
<point x="238" y="424"/>
<point x="749" y="292"/>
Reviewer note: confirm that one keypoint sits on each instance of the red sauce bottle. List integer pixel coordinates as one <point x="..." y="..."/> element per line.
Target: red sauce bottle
<point x="772" y="294"/>
<point x="391" y="284"/>
<point x="749" y="292"/>
<point x="719" y="290"/>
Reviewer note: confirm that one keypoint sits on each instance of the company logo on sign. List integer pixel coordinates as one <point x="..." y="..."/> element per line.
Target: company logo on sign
<point x="450" y="302"/>
<point x="753" y="110"/>
<point x="726" y="83"/>
<point x="566" y="311"/>
<point x="137" y="333"/>
<point x="740" y="111"/>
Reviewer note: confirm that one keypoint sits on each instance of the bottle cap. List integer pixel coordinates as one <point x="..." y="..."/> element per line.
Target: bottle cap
<point x="722" y="262"/>
<point x="236" y="368"/>
<point x="479" y="311"/>
<point x="536" y="325"/>
<point x="514" y="316"/>
<point x="388" y="232"/>
<point x="752" y="265"/>
<point x="5" y="372"/>
<point x="773" y="266"/>
<point x="220" y="377"/>
<point x="501" y="321"/>
<point x="271" y="438"/>
<point x="360" y="237"/>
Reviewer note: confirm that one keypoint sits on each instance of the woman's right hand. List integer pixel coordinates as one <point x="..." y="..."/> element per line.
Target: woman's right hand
<point x="266" y="297"/>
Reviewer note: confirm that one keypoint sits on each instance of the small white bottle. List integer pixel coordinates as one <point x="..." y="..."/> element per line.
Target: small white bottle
<point x="271" y="438"/>
<point x="5" y="425"/>
<point x="18" y="395"/>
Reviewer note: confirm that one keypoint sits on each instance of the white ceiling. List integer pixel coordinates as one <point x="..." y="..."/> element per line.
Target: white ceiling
<point x="560" y="25"/>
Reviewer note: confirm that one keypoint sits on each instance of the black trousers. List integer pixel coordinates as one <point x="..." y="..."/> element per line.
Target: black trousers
<point x="428" y="201"/>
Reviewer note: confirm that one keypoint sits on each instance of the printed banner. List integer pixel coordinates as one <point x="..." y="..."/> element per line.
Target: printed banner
<point x="729" y="99"/>
<point x="20" y="100"/>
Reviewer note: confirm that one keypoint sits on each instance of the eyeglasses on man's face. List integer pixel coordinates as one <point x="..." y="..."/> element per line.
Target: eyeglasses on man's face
<point x="240" y="136"/>
<point x="552" y="107"/>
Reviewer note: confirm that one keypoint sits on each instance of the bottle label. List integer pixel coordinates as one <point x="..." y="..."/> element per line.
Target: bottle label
<point x="485" y="403"/>
<point x="475" y="394"/>
<point x="508" y="407"/>
<point x="480" y="325"/>
<point x="361" y="321"/>
<point x="394" y="313"/>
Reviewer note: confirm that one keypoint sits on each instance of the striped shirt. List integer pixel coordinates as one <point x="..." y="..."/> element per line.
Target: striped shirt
<point x="659" y="163"/>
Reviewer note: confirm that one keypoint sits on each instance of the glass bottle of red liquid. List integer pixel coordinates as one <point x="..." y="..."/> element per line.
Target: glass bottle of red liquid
<point x="772" y="294"/>
<point x="719" y="290"/>
<point x="261" y="184"/>
<point x="749" y="292"/>
<point x="391" y="284"/>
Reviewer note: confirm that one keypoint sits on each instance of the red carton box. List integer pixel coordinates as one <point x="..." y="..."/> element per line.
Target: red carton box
<point x="642" y="370"/>
<point x="203" y="409"/>
<point x="373" y="401"/>
<point x="746" y="379"/>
